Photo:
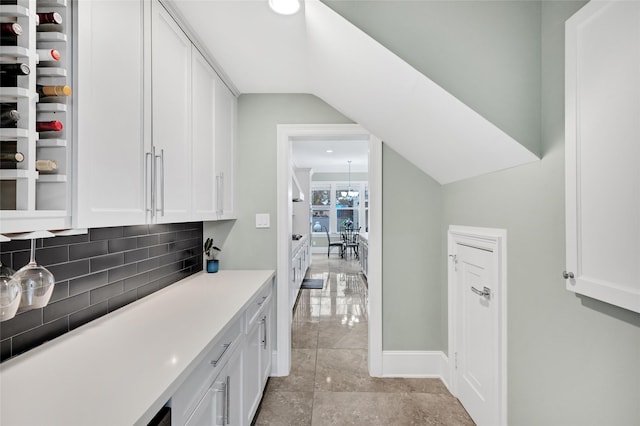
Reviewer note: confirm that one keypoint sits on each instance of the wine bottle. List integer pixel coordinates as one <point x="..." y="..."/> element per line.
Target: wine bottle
<point x="45" y="55"/>
<point x="49" y="126"/>
<point x="53" y="90"/>
<point x="14" y="69"/>
<point x="9" y="74"/>
<point x="9" y="118"/>
<point x="12" y="157"/>
<point x="10" y="29"/>
<point x="49" y="18"/>
<point x="46" y="166"/>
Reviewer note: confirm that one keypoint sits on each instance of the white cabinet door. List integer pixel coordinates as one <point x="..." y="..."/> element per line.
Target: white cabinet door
<point x="171" y="100"/>
<point x="225" y="119"/>
<point x="208" y="408"/>
<point x="222" y="403"/>
<point x="602" y="151"/>
<point x="252" y="388"/>
<point x="266" y="345"/>
<point x="203" y="197"/>
<point x="232" y="375"/>
<point x="110" y="104"/>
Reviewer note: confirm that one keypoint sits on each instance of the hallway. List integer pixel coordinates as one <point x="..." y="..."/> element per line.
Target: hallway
<point x="329" y="383"/>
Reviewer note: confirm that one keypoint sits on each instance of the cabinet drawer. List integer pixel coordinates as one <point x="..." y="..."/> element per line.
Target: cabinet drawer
<point x="186" y="398"/>
<point x="257" y="304"/>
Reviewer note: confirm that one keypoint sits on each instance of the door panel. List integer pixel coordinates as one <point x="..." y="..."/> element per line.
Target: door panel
<point x="171" y="88"/>
<point x="477" y="345"/>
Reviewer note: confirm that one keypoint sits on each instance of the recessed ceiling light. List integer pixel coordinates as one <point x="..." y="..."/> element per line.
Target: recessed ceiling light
<point x="285" y="7"/>
<point x="329" y="151"/>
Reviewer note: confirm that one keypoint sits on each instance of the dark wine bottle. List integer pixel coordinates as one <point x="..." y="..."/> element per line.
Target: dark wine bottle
<point x="12" y="157"/>
<point x="10" y="29"/>
<point x="14" y="69"/>
<point x="9" y="118"/>
<point x="49" y="126"/>
<point x="53" y="90"/>
<point x="50" y="18"/>
<point x="9" y="74"/>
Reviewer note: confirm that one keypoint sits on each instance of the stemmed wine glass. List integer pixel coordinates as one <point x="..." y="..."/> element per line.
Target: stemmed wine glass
<point x="36" y="283"/>
<point x="9" y="293"/>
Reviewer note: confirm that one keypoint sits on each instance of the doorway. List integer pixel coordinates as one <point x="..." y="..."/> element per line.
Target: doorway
<point x="285" y="135"/>
<point x="477" y="322"/>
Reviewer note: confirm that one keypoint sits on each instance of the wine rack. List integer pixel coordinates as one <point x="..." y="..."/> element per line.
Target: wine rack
<point x="31" y="199"/>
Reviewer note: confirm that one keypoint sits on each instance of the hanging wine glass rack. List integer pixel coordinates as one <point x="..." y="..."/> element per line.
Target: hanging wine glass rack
<point x="31" y="198"/>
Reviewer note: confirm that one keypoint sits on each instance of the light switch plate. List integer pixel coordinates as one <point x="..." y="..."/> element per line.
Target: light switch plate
<point x="263" y="220"/>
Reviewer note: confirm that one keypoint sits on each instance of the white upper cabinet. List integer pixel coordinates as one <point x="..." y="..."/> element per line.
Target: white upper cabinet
<point x="204" y="181"/>
<point x="602" y="152"/>
<point x="225" y="118"/>
<point x="155" y="130"/>
<point x="171" y="96"/>
<point x="109" y="178"/>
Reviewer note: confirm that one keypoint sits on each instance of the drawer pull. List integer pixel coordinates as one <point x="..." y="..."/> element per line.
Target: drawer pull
<point x="216" y="361"/>
<point x="262" y="301"/>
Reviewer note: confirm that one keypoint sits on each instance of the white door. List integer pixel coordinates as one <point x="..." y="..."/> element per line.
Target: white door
<point x="111" y="139"/>
<point x="204" y="178"/>
<point x="476" y="357"/>
<point x="602" y="151"/>
<point x="171" y="94"/>
<point x="225" y="119"/>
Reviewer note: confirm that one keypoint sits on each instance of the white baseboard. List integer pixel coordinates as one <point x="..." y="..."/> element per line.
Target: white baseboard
<point x="419" y="364"/>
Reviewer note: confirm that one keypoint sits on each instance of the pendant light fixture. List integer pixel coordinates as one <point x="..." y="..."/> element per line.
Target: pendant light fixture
<point x="349" y="193"/>
<point x="285" y="7"/>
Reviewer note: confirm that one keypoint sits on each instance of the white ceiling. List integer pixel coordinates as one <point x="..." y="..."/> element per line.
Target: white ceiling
<point x="317" y="51"/>
<point x="313" y="154"/>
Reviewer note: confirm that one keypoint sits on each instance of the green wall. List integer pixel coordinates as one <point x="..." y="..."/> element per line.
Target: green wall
<point x="411" y="252"/>
<point x="486" y="53"/>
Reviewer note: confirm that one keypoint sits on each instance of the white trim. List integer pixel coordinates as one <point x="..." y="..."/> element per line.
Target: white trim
<point x="495" y="240"/>
<point x="285" y="133"/>
<point x="374" y="272"/>
<point x="419" y="364"/>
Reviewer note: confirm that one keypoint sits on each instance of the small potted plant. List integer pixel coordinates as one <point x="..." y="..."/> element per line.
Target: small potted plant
<point x="211" y="251"/>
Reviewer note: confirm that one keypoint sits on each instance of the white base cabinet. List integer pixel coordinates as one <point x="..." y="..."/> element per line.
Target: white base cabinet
<point x="300" y="262"/>
<point x="226" y="387"/>
<point x="257" y="353"/>
<point x="222" y="403"/>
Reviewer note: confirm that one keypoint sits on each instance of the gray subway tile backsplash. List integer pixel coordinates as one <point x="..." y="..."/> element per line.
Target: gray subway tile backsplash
<point x="97" y="273"/>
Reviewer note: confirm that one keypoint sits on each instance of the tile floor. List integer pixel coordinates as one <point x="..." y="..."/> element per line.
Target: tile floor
<point x="329" y="383"/>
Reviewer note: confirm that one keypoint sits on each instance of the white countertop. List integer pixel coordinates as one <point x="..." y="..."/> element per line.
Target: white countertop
<point x="122" y="368"/>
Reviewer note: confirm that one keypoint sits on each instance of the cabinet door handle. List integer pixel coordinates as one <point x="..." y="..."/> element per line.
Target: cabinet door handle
<point x="226" y="400"/>
<point x="220" y="388"/>
<point x="264" y="331"/>
<point x="218" y="202"/>
<point x="216" y="361"/>
<point x="147" y="207"/>
<point x="161" y="157"/>
<point x="154" y="181"/>
<point x="221" y="194"/>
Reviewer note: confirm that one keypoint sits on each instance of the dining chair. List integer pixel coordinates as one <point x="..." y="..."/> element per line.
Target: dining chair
<point x="350" y="237"/>
<point x="331" y="244"/>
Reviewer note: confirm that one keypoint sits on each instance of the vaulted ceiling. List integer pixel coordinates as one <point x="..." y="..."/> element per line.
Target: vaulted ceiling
<point x="319" y="52"/>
